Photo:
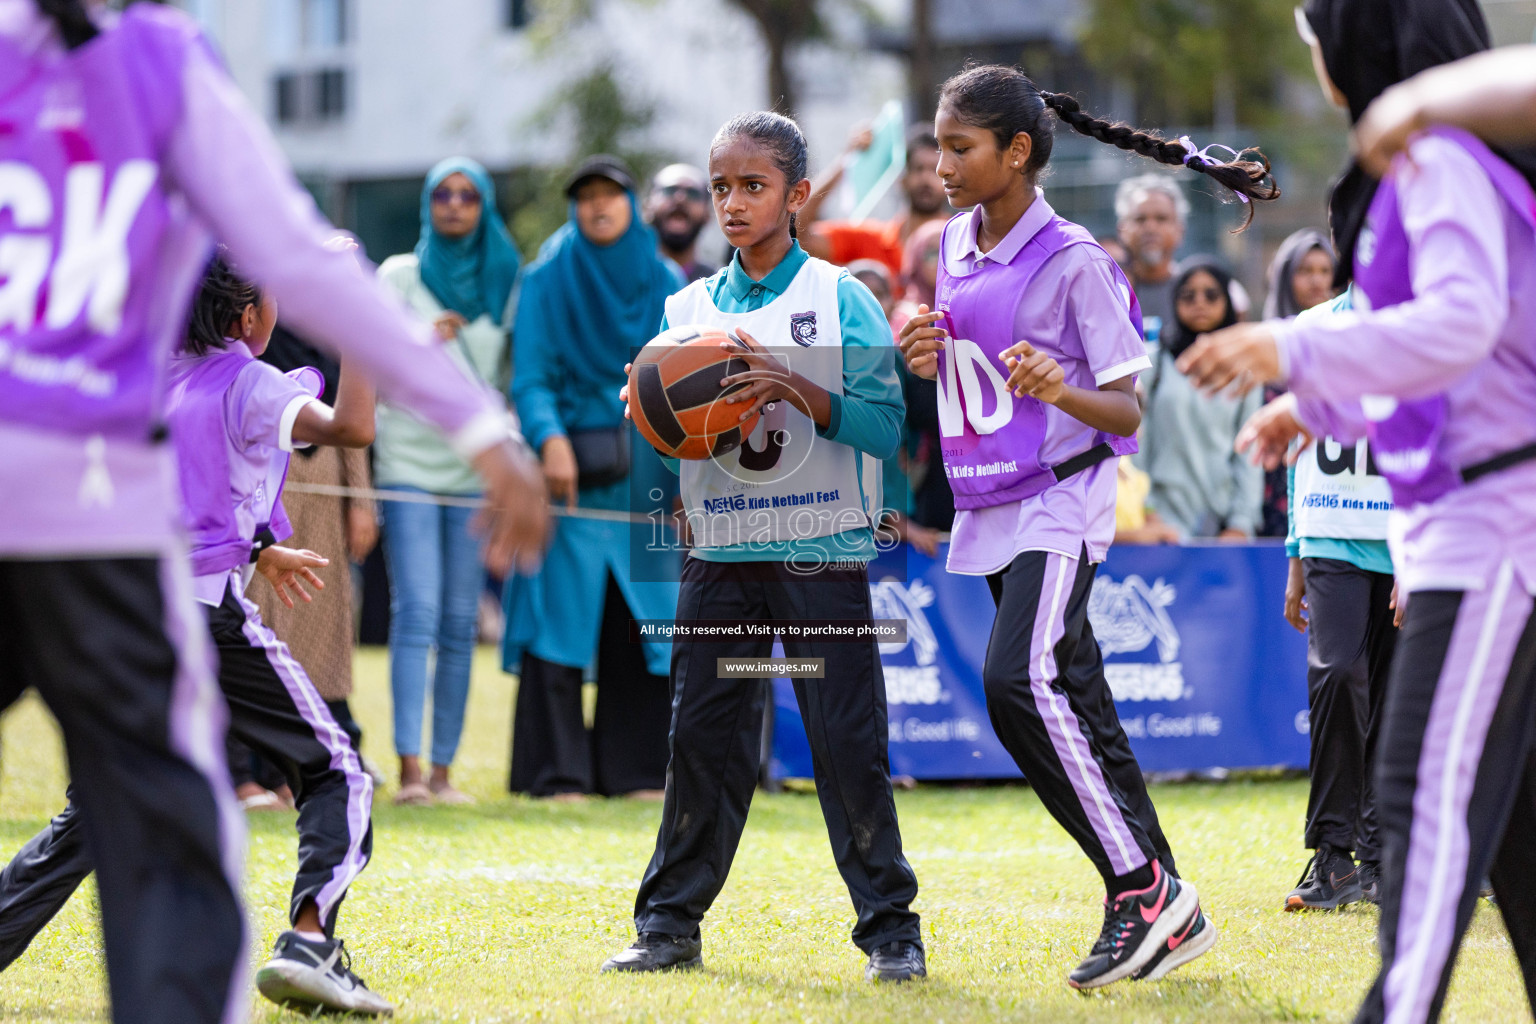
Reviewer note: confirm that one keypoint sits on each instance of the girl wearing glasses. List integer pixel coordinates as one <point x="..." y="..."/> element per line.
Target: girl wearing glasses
<point x="1199" y="484"/>
<point x="459" y="279"/>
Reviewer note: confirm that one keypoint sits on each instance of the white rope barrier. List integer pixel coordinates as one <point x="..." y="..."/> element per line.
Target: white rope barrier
<point x="452" y="501"/>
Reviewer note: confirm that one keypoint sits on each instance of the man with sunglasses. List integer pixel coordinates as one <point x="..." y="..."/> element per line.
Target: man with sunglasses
<point x="677" y="206"/>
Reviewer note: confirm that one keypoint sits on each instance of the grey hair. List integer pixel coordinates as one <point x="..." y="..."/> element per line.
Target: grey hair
<point x="1126" y="195"/>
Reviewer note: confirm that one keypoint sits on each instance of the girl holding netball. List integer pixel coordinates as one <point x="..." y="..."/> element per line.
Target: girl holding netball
<point x="1035" y="343"/>
<point x="836" y="411"/>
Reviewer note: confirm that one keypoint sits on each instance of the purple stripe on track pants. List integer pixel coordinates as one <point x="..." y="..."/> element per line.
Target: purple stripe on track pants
<point x="1487" y="631"/>
<point x="343" y="758"/>
<point x="1038" y="706"/>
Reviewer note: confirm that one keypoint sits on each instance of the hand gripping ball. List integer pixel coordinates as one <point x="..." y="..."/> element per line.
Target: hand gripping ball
<point x="675" y="397"/>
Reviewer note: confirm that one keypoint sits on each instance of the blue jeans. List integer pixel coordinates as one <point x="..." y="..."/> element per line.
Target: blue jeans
<point x="435" y="577"/>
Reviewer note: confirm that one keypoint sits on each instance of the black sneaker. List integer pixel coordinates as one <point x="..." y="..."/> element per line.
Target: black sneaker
<point x="1370" y="882"/>
<point x="1330" y="881"/>
<point x="316" y="975"/>
<point x="1136" y="924"/>
<point x="1194" y="939"/>
<point x="896" y="961"/>
<point x="653" y="951"/>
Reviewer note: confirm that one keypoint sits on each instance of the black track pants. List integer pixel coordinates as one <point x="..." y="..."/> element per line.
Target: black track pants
<point x="1455" y="789"/>
<point x="716" y="748"/>
<point x="119" y="653"/>
<point x="1053" y="712"/>
<point x="1350" y="638"/>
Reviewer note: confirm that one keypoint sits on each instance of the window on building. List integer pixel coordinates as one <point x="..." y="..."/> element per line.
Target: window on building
<point x="309" y="97"/>
<point x="324" y="24"/>
<point x="285" y="98"/>
<point x="518" y="13"/>
<point x="331" y="85"/>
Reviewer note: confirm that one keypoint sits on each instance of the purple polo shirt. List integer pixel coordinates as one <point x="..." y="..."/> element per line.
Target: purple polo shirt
<point x="68" y="492"/>
<point x="1076" y="312"/>
<point x="260" y="408"/>
<point x="1470" y="332"/>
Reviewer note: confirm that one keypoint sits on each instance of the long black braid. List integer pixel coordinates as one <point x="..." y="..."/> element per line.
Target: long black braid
<point x="71" y="17"/>
<point x="221" y="300"/>
<point x="1004" y="101"/>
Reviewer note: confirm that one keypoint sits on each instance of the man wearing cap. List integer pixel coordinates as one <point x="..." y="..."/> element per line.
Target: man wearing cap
<point x="677" y="206"/>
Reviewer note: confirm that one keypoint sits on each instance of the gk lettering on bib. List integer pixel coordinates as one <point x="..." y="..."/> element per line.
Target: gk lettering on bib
<point x="97" y="258"/>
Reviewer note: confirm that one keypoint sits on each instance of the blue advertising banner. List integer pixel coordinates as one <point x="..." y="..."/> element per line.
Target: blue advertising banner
<point x="1205" y="671"/>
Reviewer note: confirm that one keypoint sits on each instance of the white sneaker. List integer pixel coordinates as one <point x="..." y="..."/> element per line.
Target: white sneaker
<point x="307" y="975"/>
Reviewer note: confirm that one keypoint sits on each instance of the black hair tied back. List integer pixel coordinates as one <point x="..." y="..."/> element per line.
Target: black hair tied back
<point x="1249" y="179"/>
<point x="221" y="300"/>
<point x="73" y="21"/>
<point x="1003" y="100"/>
<point x="777" y="134"/>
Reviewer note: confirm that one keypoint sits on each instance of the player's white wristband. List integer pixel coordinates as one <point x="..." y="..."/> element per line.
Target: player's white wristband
<point x="484" y="431"/>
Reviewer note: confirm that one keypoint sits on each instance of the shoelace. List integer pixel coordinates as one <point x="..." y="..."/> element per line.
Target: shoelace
<point x="1306" y="872"/>
<point x="346" y="963"/>
<point x="1113" y="930"/>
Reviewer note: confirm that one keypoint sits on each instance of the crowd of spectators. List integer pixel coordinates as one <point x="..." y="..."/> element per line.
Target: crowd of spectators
<point x="555" y="335"/>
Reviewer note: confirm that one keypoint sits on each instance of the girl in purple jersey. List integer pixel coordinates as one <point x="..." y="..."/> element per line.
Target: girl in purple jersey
<point x="124" y="148"/>
<point x="1036" y="363"/>
<point x="234" y="420"/>
<point x="1436" y="364"/>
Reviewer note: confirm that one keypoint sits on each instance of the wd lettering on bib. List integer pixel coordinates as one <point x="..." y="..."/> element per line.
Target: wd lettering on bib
<point x="784" y="483"/>
<point x="991" y="440"/>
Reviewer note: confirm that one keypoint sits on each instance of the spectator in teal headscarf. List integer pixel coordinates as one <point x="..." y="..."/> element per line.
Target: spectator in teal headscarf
<point x="592" y="299"/>
<point x="460" y="279"/>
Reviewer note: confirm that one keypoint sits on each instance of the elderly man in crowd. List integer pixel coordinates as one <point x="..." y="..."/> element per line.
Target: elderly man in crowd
<point x="1152" y="213"/>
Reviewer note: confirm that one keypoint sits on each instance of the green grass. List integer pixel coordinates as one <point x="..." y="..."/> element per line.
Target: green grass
<point x="503" y="911"/>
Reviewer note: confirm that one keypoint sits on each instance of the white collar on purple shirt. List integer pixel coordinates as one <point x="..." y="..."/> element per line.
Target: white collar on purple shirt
<point x="967" y="246"/>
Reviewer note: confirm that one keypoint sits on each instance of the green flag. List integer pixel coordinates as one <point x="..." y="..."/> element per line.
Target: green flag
<point x="872" y="172"/>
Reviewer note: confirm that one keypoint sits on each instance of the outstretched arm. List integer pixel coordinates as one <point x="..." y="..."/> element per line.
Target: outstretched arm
<point x="349" y="424"/>
<point x="1491" y="94"/>
<point x="254" y="205"/>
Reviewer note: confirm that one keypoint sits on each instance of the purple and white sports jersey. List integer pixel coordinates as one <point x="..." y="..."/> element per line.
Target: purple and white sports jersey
<point x="1078" y="309"/>
<point x="118" y="161"/>
<point x="1468" y="332"/>
<point x="232" y="419"/>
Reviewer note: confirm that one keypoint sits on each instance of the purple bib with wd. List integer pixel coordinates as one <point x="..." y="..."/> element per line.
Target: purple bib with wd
<point x="196" y="417"/>
<point x="1405" y="435"/>
<point x="96" y="270"/>
<point x="991" y="439"/>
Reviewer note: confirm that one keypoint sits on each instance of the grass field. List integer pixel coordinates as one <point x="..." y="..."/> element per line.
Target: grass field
<point x="503" y="911"/>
